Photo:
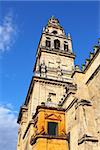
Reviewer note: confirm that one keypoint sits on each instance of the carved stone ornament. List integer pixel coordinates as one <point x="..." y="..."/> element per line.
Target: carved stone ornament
<point x="63" y="132"/>
<point x="42" y="130"/>
<point x="53" y="117"/>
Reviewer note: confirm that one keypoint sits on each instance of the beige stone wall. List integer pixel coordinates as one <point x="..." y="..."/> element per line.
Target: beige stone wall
<point x="72" y="124"/>
<point x="82" y="116"/>
<point x="85" y="119"/>
<point x="80" y="120"/>
<point x="94" y="91"/>
<point x="41" y="92"/>
<point x="47" y="144"/>
<point x="65" y="62"/>
<point x="52" y="61"/>
<point x="74" y="138"/>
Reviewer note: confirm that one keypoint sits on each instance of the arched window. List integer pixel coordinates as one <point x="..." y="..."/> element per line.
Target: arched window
<point x="65" y="46"/>
<point x="57" y="44"/>
<point x="48" y="43"/>
<point x="54" y="32"/>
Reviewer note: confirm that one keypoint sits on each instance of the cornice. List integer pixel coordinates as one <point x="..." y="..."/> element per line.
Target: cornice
<point x="57" y="52"/>
<point x="59" y="36"/>
<point x="83" y="102"/>
<point x="87" y="138"/>
<point x="44" y="107"/>
<point x="51" y="81"/>
<point x="76" y="71"/>
<point x="34" y="138"/>
<point x="22" y="109"/>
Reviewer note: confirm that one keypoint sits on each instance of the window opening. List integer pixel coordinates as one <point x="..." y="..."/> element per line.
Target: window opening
<point x="65" y="47"/>
<point x="48" y="43"/>
<point x="52" y="128"/>
<point x="57" y="44"/>
<point x="54" y="32"/>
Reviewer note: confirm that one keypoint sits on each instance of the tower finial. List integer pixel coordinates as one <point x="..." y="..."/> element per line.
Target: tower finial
<point x="54" y="22"/>
<point x="52" y="17"/>
<point x="99" y="41"/>
<point x="69" y="36"/>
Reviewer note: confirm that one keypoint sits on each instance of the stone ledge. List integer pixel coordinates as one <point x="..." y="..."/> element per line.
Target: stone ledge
<point x="46" y="107"/>
<point x="34" y="138"/>
<point x="87" y="138"/>
<point x="83" y="102"/>
<point x="56" y="51"/>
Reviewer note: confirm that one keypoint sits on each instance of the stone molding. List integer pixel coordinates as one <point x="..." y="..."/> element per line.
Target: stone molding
<point x="70" y="89"/>
<point x="53" y="117"/>
<point x="59" y="36"/>
<point x="87" y="138"/>
<point x="71" y="104"/>
<point x="34" y="138"/>
<point x="39" y="107"/>
<point x="27" y="128"/>
<point x="57" y="52"/>
<point x="23" y="109"/>
<point x="83" y="102"/>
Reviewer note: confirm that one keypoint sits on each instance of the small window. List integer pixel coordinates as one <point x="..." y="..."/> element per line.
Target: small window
<point x="65" y="42"/>
<point x="48" y="43"/>
<point x="52" y="128"/>
<point x="47" y="38"/>
<point x="65" y="47"/>
<point x="54" y="32"/>
<point x="57" y="44"/>
<point x="52" y="94"/>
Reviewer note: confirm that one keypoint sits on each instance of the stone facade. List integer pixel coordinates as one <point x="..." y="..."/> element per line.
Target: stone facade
<point x="62" y="107"/>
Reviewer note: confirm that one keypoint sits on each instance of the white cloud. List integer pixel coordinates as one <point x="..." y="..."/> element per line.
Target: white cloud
<point x="7" y="33"/>
<point x="8" y="128"/>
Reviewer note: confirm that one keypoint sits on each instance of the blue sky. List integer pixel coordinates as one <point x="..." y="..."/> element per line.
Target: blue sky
<point x="24" y="27"/>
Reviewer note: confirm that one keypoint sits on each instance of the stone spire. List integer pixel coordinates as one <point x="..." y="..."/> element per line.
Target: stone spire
<point x="53" y="22"/>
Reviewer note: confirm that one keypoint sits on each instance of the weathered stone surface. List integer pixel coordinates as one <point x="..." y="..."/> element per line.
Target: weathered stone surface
<point x="62" y="94"/>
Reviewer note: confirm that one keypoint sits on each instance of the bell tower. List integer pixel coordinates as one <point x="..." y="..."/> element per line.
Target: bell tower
<point x="41" y="118"/>
<point x="54" y="59"/>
